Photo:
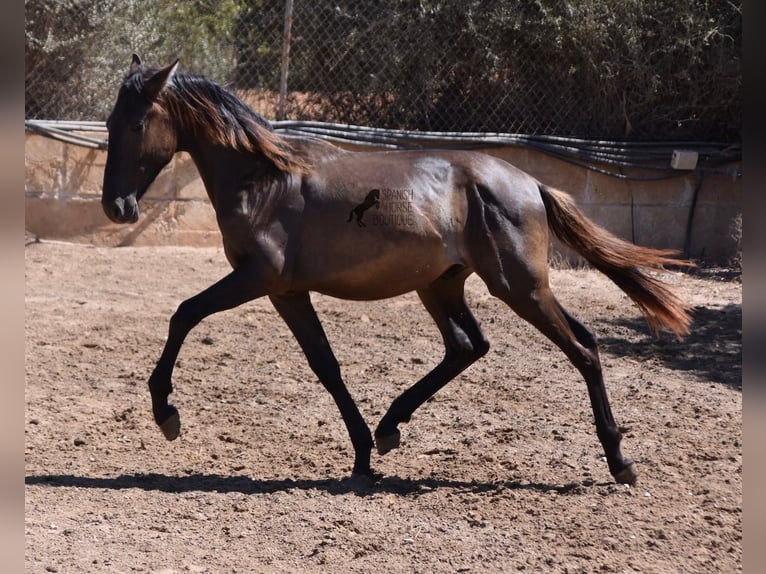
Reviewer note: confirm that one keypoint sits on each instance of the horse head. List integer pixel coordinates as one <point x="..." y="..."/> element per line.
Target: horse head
<point x="142" y="140"/>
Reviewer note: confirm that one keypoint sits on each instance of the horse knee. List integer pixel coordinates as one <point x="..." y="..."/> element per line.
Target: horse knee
<point x="185" y="318"/>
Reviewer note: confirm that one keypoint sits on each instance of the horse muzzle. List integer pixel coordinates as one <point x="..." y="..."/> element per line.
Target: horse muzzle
<point x="121" y="209"/>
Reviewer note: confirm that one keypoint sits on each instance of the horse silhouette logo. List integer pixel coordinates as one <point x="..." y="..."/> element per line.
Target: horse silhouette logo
<point x="372" y="200"/>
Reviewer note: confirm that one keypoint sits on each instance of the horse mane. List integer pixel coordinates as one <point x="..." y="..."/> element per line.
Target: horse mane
<point x="217" y="115"/>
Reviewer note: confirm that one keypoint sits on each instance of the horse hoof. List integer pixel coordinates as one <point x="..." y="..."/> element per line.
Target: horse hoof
<point x="627" y="475"/>
<point x="171" y="428"/>
<point x="387" y="443"/>
<point x="360" y="480"/>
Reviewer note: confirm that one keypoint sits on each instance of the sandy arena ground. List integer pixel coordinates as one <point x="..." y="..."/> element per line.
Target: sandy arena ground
<point x="500" y="472"/>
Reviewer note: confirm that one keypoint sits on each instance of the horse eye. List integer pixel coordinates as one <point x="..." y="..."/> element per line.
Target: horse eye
<point x="138" y="126"/>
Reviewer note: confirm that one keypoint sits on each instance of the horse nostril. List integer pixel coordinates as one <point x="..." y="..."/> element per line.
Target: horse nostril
<point x="119" y="207"/>
<point x="114" y="210"/>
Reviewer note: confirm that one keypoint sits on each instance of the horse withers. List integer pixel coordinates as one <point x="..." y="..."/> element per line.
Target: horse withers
<point x="424" y="221"/>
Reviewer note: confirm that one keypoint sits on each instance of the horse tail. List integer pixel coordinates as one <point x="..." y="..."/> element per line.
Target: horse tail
<point x="621" y="261"/>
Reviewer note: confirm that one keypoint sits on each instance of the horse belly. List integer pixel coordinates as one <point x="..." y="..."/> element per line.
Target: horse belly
<point x="373" y="267"/>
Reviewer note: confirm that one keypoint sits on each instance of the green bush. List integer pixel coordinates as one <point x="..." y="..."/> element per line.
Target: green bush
<point x="77" y="50"/>
<point x="612" y="69"/>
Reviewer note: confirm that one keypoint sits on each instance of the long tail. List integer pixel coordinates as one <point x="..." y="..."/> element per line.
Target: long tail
<point x="621" y="261"/>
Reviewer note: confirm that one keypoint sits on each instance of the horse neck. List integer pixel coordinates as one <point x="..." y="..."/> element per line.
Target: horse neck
<point x="222" y="169"/>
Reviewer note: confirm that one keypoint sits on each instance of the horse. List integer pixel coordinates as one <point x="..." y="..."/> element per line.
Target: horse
<point x="281" y="202"/>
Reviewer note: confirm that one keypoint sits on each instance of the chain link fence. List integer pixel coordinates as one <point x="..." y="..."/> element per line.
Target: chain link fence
<point x="606" y="69"/>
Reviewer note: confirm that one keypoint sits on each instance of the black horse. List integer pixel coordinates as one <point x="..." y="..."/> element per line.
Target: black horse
<point x="278" y="201"/>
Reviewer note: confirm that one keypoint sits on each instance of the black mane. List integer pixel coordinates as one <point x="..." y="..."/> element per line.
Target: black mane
<point x="193" y="87"/>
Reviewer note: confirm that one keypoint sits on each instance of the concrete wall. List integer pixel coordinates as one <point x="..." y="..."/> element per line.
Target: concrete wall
<point x="63" y="189"/>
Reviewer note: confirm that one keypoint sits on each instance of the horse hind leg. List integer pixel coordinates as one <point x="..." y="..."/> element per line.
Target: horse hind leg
<point x="512" y="260"/>
<point x="622" y="469"/>
<point x="539" y="307"/>
<point x="464" y="344"/>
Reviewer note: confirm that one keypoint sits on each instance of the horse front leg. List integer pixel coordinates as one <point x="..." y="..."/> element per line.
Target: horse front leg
<point x="299" y="314"/>
<point x="239" y="286"/>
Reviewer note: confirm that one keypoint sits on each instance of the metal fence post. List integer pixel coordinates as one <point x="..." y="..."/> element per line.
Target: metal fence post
<point x="285" y="60"/>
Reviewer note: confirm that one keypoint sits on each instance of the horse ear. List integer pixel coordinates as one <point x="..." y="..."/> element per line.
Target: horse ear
<point x="159" y="80"/>
<point x="135" y="64"/>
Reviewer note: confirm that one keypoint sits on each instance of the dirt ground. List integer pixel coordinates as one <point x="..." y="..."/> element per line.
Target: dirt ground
<point x="500" y="472"/>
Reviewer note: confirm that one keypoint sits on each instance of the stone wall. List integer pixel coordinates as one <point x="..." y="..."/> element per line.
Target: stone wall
<point x="63" y="189"/>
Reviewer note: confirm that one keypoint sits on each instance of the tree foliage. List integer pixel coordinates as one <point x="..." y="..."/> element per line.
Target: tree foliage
<point x="641" y="69"/>
<point x="76" y="50"/>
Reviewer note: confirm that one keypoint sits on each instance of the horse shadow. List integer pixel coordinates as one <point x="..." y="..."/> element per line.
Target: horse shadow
<point x="712" y="350"/>
<point x="215" y="483"/>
